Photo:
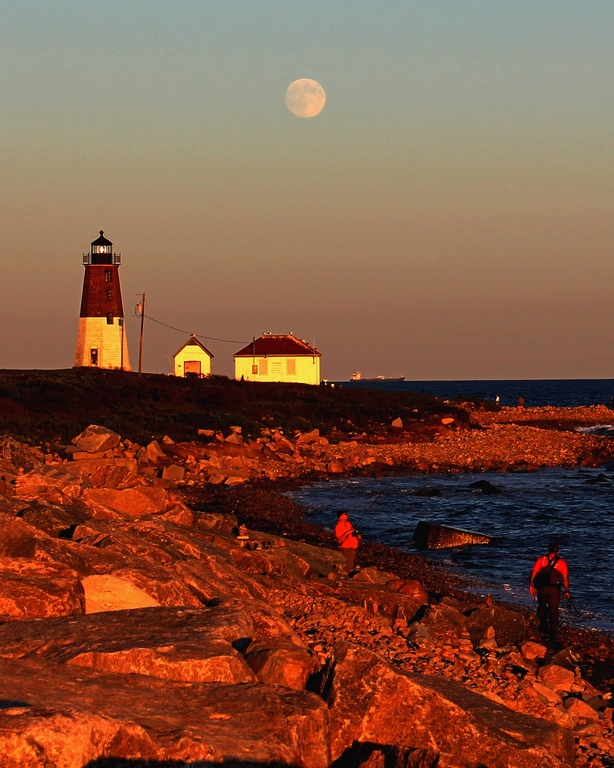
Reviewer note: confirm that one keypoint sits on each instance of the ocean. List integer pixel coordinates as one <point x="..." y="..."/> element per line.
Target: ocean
<point x="574" y="507"/>
<point x="536" y="392"/>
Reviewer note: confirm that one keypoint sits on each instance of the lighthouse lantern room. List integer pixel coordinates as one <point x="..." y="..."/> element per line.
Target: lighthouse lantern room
<point x="101" y="340"/>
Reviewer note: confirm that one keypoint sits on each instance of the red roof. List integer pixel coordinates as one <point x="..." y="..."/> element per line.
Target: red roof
<point x="276" y="346"/>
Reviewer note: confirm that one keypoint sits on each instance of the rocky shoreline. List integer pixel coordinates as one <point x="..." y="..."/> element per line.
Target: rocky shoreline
<point x="153" y="615"/>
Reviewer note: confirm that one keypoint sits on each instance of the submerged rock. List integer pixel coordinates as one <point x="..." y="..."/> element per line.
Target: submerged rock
<point x="486" y="487"/>
<point x="436" y="536"/>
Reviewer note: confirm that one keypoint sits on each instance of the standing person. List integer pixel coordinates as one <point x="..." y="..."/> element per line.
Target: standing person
<point x="549" y="573"/>
<point x="347" y="538"/>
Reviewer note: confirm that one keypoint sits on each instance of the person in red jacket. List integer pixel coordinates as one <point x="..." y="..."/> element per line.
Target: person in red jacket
<point x="549" y="573"/>
<point x="347" y="538"/>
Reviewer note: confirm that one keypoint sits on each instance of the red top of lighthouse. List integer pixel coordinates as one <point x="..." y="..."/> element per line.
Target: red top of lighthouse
<point x="102" y="295"/>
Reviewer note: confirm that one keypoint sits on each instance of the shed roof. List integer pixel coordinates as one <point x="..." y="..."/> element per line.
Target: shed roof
<point x="278" y="345"/>
<point x="193" y="342"/>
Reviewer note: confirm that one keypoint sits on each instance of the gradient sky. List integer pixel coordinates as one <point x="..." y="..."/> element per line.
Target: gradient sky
<point x="450" y="213"/>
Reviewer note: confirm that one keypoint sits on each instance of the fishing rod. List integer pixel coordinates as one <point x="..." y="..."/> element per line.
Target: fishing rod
<point x="573" y="605"/>
<point x="394" y="479"/>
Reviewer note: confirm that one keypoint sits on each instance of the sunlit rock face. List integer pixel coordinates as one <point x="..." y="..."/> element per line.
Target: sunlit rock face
<point x="370" y="701"/>
<point x="132" y="628"/>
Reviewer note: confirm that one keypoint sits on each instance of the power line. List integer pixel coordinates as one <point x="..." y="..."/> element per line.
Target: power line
<point x="198" y="335"/>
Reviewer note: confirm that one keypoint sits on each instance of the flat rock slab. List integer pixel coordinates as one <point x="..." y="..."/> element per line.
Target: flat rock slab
<point x="110" y="593"/>
<point x="370" y="701"/>
<point x="132" y="502"/>
<point x="194" y="645"/>
<point x="54" y="715"/>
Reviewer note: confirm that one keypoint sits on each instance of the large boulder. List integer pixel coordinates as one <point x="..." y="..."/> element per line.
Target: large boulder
<point x="371" y="701"/>
<point x="437" y="536"/>
<point x="52" y="716"/>
<point x="53" y="519"/>
<point x="53" y="484"/>
<point x="34" y="590"/>
<point x="15" y="455"/>
<point x="95" y="439"/>
<point x="19" y="539"/>
<point x="280" y="662"/>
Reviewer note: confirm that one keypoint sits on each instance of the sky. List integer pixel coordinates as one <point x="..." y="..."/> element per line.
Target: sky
<point x="448" y="215"/>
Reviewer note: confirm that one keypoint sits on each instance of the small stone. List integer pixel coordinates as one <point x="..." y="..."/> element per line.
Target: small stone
<point x="579" y="708"/>
<point x="234" y="480"/>
<point x="557" y="678"/>
<point x="154" y="452"/>
<point x="531" y="650"/>
<point x="174" y="472"/>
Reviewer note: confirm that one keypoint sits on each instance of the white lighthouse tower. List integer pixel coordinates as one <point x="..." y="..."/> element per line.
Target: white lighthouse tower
<point x="101" y="341"/>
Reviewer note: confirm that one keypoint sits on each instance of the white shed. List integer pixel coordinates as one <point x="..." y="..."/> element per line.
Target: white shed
<point x="193" y="359"/>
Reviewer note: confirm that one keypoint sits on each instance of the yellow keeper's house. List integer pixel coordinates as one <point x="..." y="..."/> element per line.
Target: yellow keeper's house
<point x="278" y="358"/>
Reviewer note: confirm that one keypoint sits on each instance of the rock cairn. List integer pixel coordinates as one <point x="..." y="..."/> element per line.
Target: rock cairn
<point x="135" y="630"/>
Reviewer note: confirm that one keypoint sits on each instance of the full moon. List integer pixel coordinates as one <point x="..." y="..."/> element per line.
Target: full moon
<point x="305" y="98"/>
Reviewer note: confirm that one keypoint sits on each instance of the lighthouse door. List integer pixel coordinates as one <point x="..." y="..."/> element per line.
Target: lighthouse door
<point x="191" y="368"/>
<point x="93" y="355"/>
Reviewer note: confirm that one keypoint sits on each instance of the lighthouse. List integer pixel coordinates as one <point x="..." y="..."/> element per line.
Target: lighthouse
<point x="101" y="340"/>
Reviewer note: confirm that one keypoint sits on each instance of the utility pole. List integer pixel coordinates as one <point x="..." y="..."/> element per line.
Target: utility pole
<point x="141" y="306"/>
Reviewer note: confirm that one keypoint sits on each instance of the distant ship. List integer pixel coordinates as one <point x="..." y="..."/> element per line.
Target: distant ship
<point x="357" y="376"/>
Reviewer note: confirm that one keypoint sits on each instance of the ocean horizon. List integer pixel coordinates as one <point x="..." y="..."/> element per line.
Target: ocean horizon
<point x="535" y="392"/>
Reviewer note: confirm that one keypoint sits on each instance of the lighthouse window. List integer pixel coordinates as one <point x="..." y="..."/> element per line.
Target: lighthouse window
<point x="108" y="276"/>
<point x="109" y="318"/>
<point x="94" y="355"/>
<point x="109" y="294"/>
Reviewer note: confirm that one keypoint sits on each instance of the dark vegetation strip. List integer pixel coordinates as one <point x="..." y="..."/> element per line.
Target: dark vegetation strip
<point x="55" y="406"/>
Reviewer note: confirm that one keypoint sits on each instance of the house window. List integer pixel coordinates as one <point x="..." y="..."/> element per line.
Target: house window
<point x="109" y="294"/>
<point x="255" y="369"/>
<point x="109" y="318"/>
<point x="291" y="367"/>
<point x="108" y="276"/>
<point x="264" y="367"/>
<point x="93" y="355"/>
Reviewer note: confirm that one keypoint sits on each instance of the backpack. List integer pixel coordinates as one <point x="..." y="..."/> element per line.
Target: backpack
<point x="548" y="576"/>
